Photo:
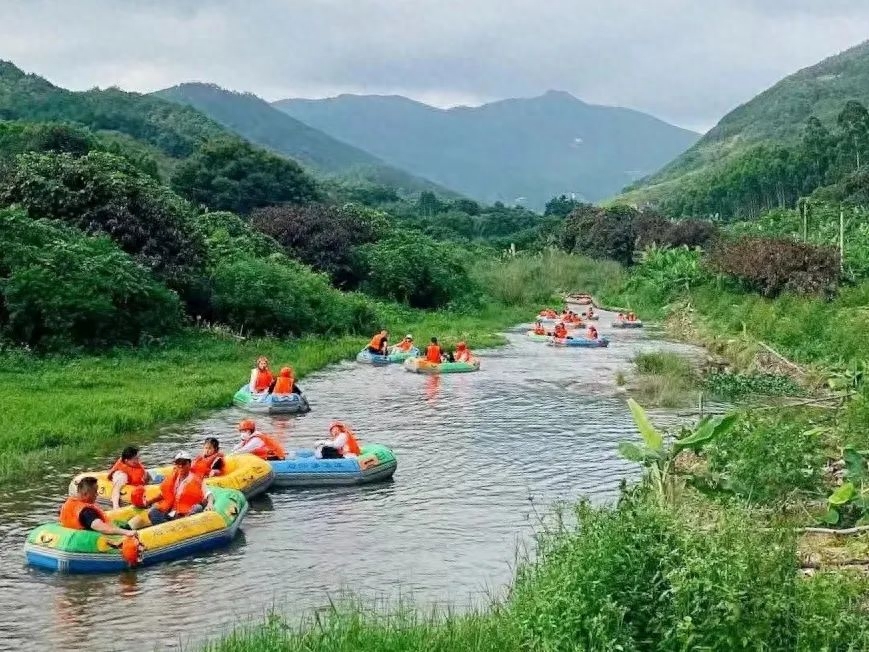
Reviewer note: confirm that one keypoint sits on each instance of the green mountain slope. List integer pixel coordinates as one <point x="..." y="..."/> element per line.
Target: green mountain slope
<point x="259" y="122"/>
<point x="519" y="148"/>
<point x="778" y="115"/>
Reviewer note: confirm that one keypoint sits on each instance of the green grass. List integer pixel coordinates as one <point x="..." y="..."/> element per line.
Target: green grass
<point x="663" y="379"/>
<point x="59" y="410"/>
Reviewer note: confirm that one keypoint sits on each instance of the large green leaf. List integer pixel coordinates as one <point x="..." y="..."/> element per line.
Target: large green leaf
<point x="632" y="452"/>
<point x="855" y="464"/>
<point x="842" y="495"/>
<point x="706" y="431"/>
<point x="831" y="517"/>
<point x="652" y="437"/>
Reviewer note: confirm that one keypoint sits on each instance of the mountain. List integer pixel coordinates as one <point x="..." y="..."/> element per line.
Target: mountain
<point x="778" y="115"/>
<point x="259" y="122"/>
<point x="532" y="148"/>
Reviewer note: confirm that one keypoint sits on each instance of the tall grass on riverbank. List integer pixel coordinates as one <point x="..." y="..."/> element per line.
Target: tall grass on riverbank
<point x="634" y="577"/>
<point x="664" y="379"/>
<point x="60" y="410"/>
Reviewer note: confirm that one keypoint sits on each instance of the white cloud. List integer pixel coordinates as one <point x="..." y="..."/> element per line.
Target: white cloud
<point x="686" y="61"/>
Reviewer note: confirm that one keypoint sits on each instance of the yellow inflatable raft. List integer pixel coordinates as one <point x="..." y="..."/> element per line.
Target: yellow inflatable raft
<point x="245" y="473"/>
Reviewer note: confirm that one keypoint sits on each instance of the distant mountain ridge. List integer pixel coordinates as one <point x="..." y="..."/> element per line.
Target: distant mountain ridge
<point x="531" y="148"/>
<point x="778" y="114"/>
<point x="256" y="120"/>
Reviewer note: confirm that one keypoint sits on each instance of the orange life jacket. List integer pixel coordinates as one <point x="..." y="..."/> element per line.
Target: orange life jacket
<point x="463" y="356"/>
<point x="433" y="354"/>
<point x="204" y="464"/>
<point x="560" y="331"/>
<point x="404" y="346"/>
<point x="592" y="332"/>
<point x="284" y="385"/>
<point x="377" y="341"/>
<point x="191" y="494"/>
<point x="271" y="448"/>
<point x="71" y="509"/>
<point x="539" y="330"/>
<point x="135" y="472"/>
<point x="352" y="446"/>
<point x="263" y="381"/>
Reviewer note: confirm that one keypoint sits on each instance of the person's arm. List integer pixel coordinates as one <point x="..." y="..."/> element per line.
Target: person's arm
<point x="89" y="519"/>
<point x="252" y="384"/>
<point x="249" y="446"/>
<point x="209" y="497"/>
<point x="119" y="479"/>
<point x="339" y="442"/>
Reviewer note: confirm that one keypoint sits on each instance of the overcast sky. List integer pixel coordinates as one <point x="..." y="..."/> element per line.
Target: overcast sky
<point x="686" y="61"/>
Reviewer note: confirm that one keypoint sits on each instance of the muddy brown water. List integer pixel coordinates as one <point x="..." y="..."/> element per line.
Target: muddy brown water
<point x="481" y="457"/>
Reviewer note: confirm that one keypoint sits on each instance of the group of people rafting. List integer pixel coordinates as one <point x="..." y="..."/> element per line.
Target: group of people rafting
<point x="262" y="380"/>
<point x="434" y="352"/>
<point x="568" y="318"/>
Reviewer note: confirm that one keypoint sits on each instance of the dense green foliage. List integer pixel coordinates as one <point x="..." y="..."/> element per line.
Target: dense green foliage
<point x="61" y="288"/>
<point x="231" y="175"/>
<point x="737" y="386"/>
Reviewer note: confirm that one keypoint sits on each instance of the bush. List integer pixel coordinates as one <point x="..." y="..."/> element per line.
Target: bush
<point x="771" y="266"/>
<point x="278" y="296"/>
<point x="653" y="229"/>
<point x="59" y="287"/>
<point x="103" y="194"/>
<point x="418" y="271"/>
<point x="226" y="236"/>
<point x="599" y="233"/>
<point x="232" y="175"/>
<point x="324" y="236"/>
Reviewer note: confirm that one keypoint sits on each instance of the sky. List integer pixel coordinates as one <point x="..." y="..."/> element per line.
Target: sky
<point x="686" y="61"/>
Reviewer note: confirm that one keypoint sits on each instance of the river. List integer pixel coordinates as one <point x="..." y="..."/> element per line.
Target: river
<point x="481" y="457"/>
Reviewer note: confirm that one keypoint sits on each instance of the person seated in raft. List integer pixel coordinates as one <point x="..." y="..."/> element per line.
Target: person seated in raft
<point x="261" y="378"/>
<point x="286" y="383"/>
<point x="257" y="443"/>
<point x="433" y="352"/>
<point x="129" y="470"/>
<point x="590" y="312"/>
<point x="210" y="463"/>
<point x="463" y="353"/>
<point x="560" y="331"/>
<point x="620" y="317"/>
<point x="80" y="512"/>
<point x="591" y="333"/>
<point x="632" y="316"/>
<point x="379" y="343"/>
<point x="342" y="443"/>
<point x="539" y="329"/>
<point x="182" y="493"/>
<point x="405" y="345"/>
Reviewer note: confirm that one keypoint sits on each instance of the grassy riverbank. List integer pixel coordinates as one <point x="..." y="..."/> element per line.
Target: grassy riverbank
<point x="58" y="410"/>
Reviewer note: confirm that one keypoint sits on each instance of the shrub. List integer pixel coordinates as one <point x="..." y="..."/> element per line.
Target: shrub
<point x="653" y="229"/>
<point x="418" y="271"/>
<point x="232" y="175"/>
<point x="276" y="295"/>
<point x="103" y="194"/>
<point x="228" y="236"/>
<point x="599" y="233"/>
<point x="771" y="266"/>
<point x="59" y="287"/>
<point x="323" y="236"/>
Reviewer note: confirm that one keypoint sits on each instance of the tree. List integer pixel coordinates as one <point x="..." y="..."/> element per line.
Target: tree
<point x="561" y="206"/>
<point x="853" y="122"/>
<point x="232" y="175"/>
<point x="817" y="145"/>
<point x="429" y="205"/>
<point x="323" y="236"/>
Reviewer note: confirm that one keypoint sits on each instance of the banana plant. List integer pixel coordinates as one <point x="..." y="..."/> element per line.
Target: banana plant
<point x="851" y="498"/>
<point x="659" y="455"/>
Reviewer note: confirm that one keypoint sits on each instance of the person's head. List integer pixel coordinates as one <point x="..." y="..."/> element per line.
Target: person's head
<point x="211" y="446"/>
<point x="130" y="454"/>
<point x="434" y="340"/>
<point x="335" y="428"/>
<point x="408" y="338"/>
<point x="461" y="346"/>
<point x="384" y="332"/>
<point x="182" y="462"/>
<point x="87" y="489"/>
<point x="286" y="372"/>
<point x="246" y="427"/>
<point x="262" y="362"/>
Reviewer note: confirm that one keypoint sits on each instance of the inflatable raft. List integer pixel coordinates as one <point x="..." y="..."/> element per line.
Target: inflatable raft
<point x="245" y="473"/>
<point x="423" y="366"/>
<point x="366" y="357"/>
<point x="56" y="548"/>
<point x="581" y="299"/>
<point x="537" y="337"/>
<point x="618" y="323"/>
<point x="374" y="464"/>
<point x="270" y="403"/>
<point x="582" y="342"/>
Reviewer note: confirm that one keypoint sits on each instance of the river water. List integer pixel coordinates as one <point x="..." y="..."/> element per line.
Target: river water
<point x="481" y="457"/>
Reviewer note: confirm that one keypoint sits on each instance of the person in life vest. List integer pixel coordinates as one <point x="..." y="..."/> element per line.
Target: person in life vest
<point x="80" y="512"/>
<point x="128" y="470"/>
<point x="258" y="443"/>
<point x="182" y="493"/>
<point x="210" y="463"/>
<point x="405" y="345"/>
<point x="590" y="313"/>
<point x="261" y="378"/>
<point x="342" y="443"/>
<point x="560" y="331"/>
<point x="463" y="353"/>
<point x="632" y="316"/>
<point x="591" y="333"/>
<point x="433" y="352"/>
<point x="286" y="383"/>
<point x="379" y="343"/>
<point x="539" y="329"/>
